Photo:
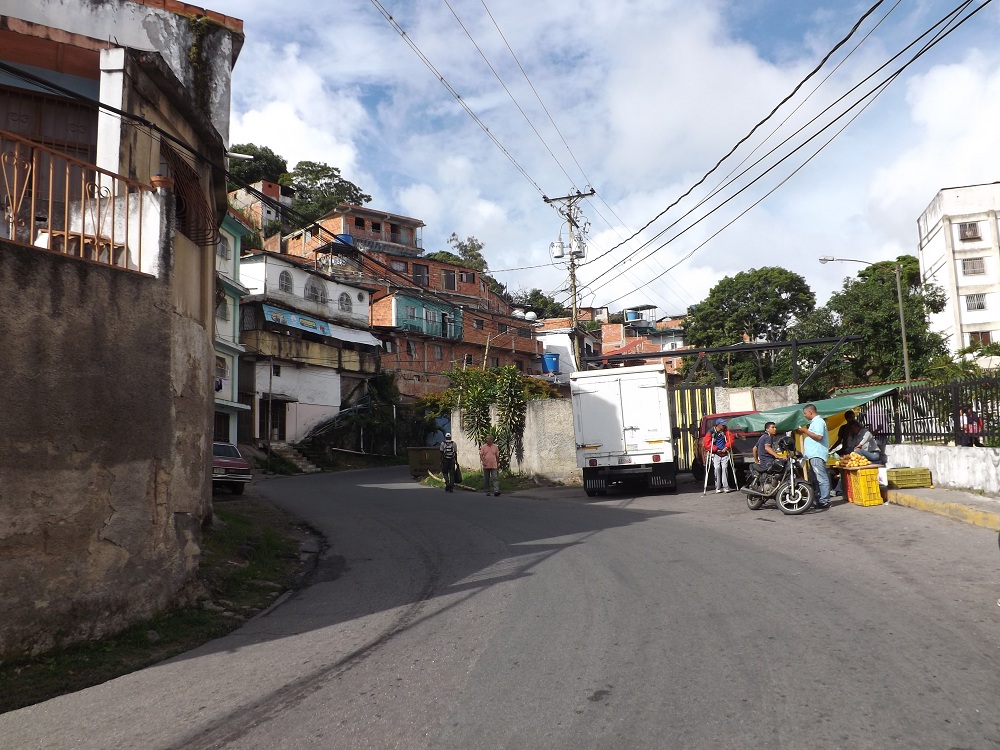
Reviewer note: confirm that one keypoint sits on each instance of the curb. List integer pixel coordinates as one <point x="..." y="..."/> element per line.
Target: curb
<point x="955" y="511"/>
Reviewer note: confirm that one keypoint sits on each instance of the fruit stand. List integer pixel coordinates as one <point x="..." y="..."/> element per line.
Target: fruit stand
<point x="860" y="480"/>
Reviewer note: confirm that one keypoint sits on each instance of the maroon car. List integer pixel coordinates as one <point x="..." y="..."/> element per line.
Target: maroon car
<point x="229" y="468"/>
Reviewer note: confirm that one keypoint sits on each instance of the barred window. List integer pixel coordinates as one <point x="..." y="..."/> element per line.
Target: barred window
<point x="315" y="291"/>
<point x="222" y="311"/>
<point x="969" y="230"/>
<point x="973" y="266"/>
<point x="344" y="302"/>
<point x="975" y="302"/>
<point x="285" y="282"/>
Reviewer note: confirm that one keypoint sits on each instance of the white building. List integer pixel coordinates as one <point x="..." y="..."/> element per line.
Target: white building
<point x="959" y="250"/>
<point x="308" y="342"/>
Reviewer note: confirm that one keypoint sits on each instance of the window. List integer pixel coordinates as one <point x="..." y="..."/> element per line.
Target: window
<point x="421" y="275"/>
<point x="315" y="291"/>
<point x="222" y="311"/>
<point x="411" y="349"/>
<point x="973" y="266"/>
<point x="344" y="302"/>
<point x="411" y="312"/>
<point x="980" y="338"/>
<point x="398" y="265"/>
<point x="438" y="352"/>
<point x="468" y="359"/>
<point x="377" y="226"/>
<point x="494" y="361"/>
<point x="502" y="327"/>
<point x="448" y="280"/>
<point x="467" y="277"/>
<point x="519" y="365"/>
<point x="524" y="333"/>
<point x="389" y="347"/>
<point x="478" y="324"/>
<point x="969" y="230"/>
<point x="359" y="223"/>
<point x="285" y="282"/>
<point x="975" y="302"/>
<point x="276" y="370"/>
<point x="361" y="296"/>
<point x="221" y="367"/>
<point x="222" y="249"/>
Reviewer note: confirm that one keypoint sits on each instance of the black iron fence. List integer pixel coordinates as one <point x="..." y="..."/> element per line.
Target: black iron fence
<point x="963" y="412"/>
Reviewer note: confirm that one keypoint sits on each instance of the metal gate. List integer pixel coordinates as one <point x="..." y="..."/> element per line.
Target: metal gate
<point x="690" y="403"/>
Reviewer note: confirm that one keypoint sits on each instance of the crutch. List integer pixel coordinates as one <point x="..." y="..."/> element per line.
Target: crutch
<point x="732" y="465"/>
<point x="704" y="490"/>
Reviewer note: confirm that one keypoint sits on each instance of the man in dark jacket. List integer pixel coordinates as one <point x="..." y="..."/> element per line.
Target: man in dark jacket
<point x="449" y="461"/>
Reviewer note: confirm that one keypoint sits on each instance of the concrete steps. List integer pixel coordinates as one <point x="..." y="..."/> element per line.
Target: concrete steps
<point x="288" y="453"/>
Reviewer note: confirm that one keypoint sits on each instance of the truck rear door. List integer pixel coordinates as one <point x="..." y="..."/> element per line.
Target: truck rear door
<point x="646" y="416"/>
<point x="598" y="417"/>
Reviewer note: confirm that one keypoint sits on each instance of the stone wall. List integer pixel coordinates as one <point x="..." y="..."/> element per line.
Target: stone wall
<point x="768" y="397"/>
<point x="967" y="468"/>
<point x="104" y="431"/>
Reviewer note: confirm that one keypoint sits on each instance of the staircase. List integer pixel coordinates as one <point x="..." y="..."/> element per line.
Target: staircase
<point x="287" y="452"/>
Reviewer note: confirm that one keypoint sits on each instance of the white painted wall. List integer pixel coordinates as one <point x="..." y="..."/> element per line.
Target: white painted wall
<point x="965" y="468"/>
<point x="316" y="388"/>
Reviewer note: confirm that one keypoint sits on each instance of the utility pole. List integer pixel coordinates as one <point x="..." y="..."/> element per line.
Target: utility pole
<point x="571" y="213"/>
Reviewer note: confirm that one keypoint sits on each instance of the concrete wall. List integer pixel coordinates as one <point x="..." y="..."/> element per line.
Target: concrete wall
<point x="103" y="448"/>
<point x="770" y="397"/>
<point x="549" y="447"/>
<point x="975" y="468"/>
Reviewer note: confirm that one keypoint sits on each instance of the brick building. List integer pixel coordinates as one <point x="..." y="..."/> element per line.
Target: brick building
<point x="431" y="315"/>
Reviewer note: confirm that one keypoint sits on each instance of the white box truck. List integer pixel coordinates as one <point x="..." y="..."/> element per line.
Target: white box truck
<point x="623" y="428"/>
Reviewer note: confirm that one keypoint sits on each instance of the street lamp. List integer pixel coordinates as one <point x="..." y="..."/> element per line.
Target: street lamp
<point x="899" y="296"/>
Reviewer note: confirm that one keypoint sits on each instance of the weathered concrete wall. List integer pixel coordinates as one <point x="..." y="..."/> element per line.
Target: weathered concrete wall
<point x="770" y="397"/>
<point x="975" y="468"/>
<point x="104" y="430"/>
<point x="549" y="448"/>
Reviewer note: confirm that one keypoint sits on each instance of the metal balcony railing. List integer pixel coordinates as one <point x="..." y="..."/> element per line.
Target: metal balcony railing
<point x="52" y="201"/>
<point x="431" y="328"/>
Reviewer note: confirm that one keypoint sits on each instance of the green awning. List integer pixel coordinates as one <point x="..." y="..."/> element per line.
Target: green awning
<point x="790" y="417"/>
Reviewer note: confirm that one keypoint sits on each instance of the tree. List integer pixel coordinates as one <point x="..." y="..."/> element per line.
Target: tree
<point x="445" y="257"/>
<point x="546" y="306"/>
<point x="753" y="306"/>
<point x="869" y="307"/>
<point x="470" y="250"/>
<point x="266" y="165"/>
<point x="319" y="187"/>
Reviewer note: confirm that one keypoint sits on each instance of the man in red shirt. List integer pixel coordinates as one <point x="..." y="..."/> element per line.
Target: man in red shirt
<point x="489" y="455"/>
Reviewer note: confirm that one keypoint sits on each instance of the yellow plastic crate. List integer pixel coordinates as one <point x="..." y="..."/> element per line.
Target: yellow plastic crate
<point x="862" y="487"/>
<point x="901" y="479"/>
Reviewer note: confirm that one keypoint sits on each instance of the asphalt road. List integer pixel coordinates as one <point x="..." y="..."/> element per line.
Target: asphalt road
<point x="662" y="621"/>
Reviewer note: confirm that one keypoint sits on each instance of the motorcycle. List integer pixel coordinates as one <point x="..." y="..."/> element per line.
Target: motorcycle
<point x="783" y="481"/>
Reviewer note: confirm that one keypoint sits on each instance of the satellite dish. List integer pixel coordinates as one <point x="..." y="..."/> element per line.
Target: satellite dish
<point x="530" y="316"/>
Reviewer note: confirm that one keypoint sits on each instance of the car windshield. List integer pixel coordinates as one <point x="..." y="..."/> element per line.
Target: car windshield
<point x="226" y="450"/>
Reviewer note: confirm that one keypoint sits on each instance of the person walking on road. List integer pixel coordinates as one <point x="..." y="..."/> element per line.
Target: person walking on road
<point x="449" y="461"/>
<point x="719" y="444"/>
<point x="816" y="449"/>
<point x="489" y="456"/>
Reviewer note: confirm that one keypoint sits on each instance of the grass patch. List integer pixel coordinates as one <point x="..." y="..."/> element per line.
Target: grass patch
<point x="509" y="481"/>
<point x="247" y="561"/>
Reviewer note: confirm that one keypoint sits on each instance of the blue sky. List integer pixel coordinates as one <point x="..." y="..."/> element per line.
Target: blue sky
<point x="648" y="95"/>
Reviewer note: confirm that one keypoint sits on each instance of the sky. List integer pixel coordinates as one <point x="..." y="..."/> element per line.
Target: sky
<point x="637" y="99"/>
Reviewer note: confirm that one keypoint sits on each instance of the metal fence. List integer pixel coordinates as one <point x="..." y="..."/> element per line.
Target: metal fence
<point x="963" y="412"/>
<point x="53" y="201"/>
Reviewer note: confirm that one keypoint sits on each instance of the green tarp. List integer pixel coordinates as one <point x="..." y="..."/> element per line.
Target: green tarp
<point x="789" y="417"/>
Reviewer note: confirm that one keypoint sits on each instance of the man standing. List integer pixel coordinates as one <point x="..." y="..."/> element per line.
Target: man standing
<point x="816" y="448"/>
<point x="764" y="452"/>
<point x="489" y="456"/>
<point x="718" y="445"/>
<point x="449" y="461"/>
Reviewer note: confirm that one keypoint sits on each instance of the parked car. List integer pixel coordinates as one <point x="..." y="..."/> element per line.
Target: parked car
<point x="229" y="468"/>
<point x="742" y="446"/>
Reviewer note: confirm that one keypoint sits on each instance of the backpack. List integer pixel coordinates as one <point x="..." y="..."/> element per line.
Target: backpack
<point x="449" y="449"/>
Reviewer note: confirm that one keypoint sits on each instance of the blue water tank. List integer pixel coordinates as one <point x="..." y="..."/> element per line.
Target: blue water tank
<point x="631" y="315"/>
<point x="550" y="363"/>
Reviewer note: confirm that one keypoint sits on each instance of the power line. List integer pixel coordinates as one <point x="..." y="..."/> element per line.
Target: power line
<point x="451" y="90"/>
<point x="947" y="19"/>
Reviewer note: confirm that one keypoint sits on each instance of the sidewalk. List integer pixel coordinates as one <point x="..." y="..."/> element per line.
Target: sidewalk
<point x="960" y="505"/>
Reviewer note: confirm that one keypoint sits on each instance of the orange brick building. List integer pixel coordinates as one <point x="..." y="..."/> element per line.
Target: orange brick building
<point x="431" y="315"/>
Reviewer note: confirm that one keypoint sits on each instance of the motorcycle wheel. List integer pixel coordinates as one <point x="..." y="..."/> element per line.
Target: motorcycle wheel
<point x="755" y="502"/>
<point x="794" y="503"/>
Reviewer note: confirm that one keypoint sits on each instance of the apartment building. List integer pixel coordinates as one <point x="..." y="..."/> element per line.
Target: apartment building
<point x="959" y="250"/>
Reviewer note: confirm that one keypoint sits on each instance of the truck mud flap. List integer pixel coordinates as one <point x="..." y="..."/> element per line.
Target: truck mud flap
<point x="663" y="478"/>
<point x="595" y="482"/>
